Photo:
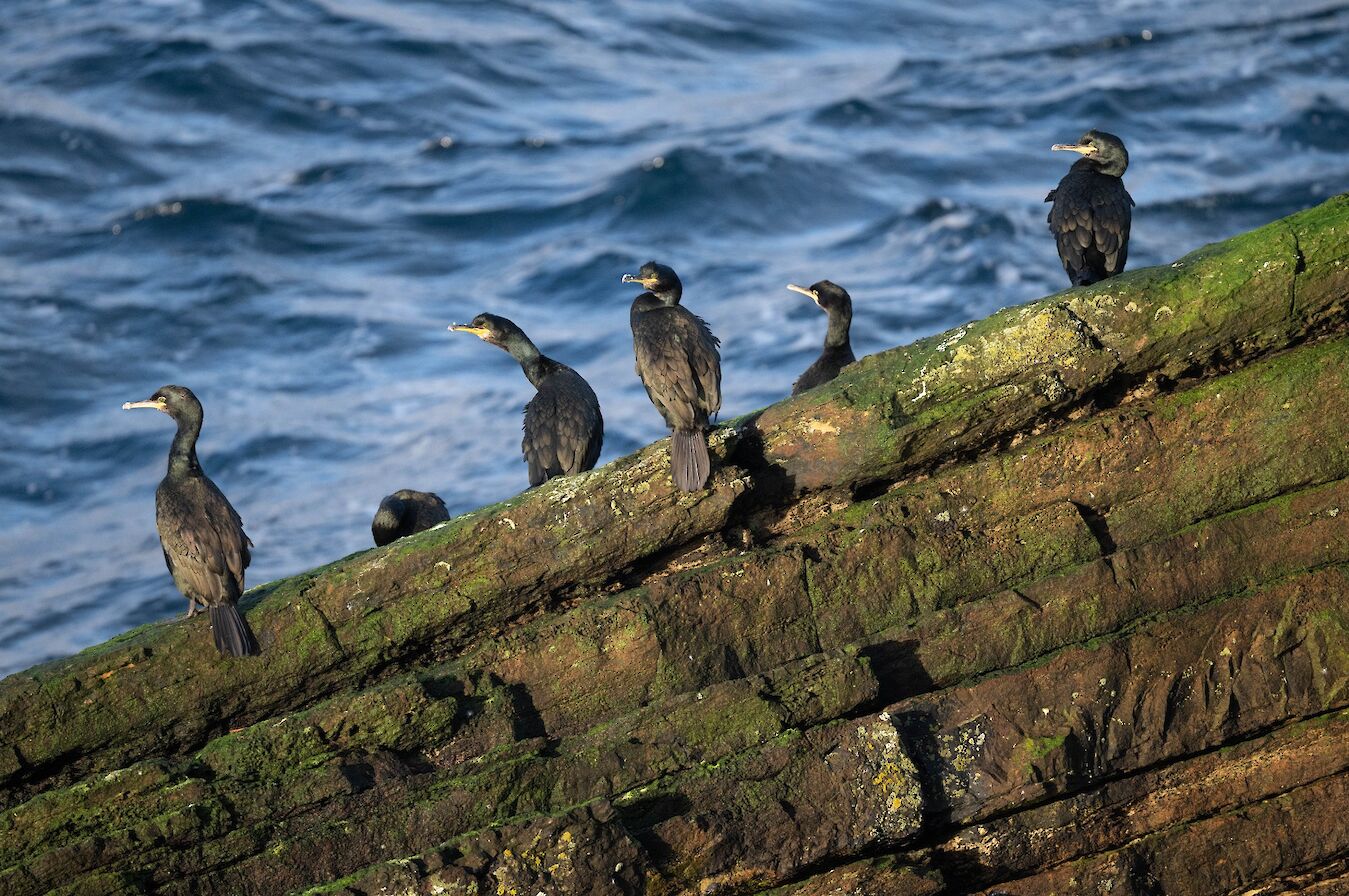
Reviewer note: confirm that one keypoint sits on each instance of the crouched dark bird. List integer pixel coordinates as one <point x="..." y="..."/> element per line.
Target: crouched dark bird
<point x="405" y="513"/>
<point x="837" y="354"/>
<point x="564" y="430"/>
<point x="680" y="366"/>
<point x="1092" y="211"/>
<point x="202" y="536"/>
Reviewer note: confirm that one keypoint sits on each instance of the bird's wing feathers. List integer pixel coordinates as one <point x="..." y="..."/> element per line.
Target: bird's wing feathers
<point x="678" y="362"/>
<point x="663" y="368"/>
<point x="706" y="360"/>
<point x="1111" y="218"/>
<point x="1066" y="221"/>
<point x="203" y="540"/>
<point x="1090" y="217"/>
<point x="540" y="443"/>
<point x="563" y="427"/>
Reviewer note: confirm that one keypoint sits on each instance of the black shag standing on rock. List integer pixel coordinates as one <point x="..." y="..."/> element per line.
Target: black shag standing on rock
<point x="563" y="427"/>
<point x="406" y="512"/>
<point x="203" y="538"/>
<point x="1091" y="212"/>
<point x="678" y="362"/>
<point x="837" y="354"/>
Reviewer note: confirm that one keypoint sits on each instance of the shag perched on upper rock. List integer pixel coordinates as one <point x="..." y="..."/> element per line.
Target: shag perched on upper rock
<point x="678" y="363"/>
<point x="1092" y="210"/>
<point x="202" y="536"/>
<point x="837" y="354"/>
<point x="406" y="512"/>
<point x="563" y="427"/>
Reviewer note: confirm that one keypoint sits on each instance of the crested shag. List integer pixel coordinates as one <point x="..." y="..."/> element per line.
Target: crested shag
<point x="1091" y="212"/>
<point x="202" y="536"/>
<point x="834" y="301"/>
<point x="563" y="427"/>
<point x="406" y="512"/>
<point x="678" y="362"/>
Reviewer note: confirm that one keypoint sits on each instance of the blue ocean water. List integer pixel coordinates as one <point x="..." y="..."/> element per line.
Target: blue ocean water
<point x="283" y="203"/>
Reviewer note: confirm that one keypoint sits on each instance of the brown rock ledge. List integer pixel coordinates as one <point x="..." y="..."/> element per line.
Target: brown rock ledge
<point x="1052" y="603"/>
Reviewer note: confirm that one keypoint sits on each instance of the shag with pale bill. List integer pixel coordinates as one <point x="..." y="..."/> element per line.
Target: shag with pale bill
<point x="563" y="427"/>
<point x="835" y="302"/>
<point x="202" y="536"/>
<point x="680" y="366"/>
<point x="405" y="513"/>
<point x="1092" y="211"/>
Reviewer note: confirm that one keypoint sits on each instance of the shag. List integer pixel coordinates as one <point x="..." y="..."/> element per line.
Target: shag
<point x="406" y="512"/>
<point x="834" y="301"/>
<point x="202" y="536"/>
<point x="1091" y="212"/>
<point x="563" y="427"/>
<point x="678" y="363"/>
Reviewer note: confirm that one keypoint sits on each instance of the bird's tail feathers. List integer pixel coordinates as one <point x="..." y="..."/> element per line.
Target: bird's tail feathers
<point x="690" y="464"/>
<point x="233" y="637"/>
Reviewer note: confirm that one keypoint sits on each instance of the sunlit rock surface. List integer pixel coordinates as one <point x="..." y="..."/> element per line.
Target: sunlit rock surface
<point x="1055" y="602"/>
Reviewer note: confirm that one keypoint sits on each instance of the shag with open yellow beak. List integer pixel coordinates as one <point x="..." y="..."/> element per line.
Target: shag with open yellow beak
<point x="564" y="430"/>
<point x="1092" y="211"/>
<point x="679" y="364"/>
<point x="834" y="301"/>
<point x="202" y="536"/>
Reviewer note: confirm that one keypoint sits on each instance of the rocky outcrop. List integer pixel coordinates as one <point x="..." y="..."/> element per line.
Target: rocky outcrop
<point x="1051" y="603"/>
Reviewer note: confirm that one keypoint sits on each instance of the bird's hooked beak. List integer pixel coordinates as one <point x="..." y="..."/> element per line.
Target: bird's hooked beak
<point x="157" y="404"/>
<point x="648" y="283"/>
<point x="808" y="293"/>
<point x="1080" y="148"/>
<point x="480" y="332"/>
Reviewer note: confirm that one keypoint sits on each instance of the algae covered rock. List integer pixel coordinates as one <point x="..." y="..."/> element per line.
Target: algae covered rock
<point x="1052" y="602"/>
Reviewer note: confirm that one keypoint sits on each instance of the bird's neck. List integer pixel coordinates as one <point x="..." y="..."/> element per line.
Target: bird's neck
<point x="183" y="452"/>
<point x="837" y="335"/>
<point x="642" y="304"/>
<point x="535" y="365"/>
<point x="1111" y="169"/>
<point x="669" y="296"/>
<point x="537" y="370"/>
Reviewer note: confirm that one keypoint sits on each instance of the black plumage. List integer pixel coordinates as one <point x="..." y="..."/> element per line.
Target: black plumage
<point x="680" y="366"/>
<point x="1092" y="211"/>
<point x="406" y="512"/>
<point x="564" y="430"/>
<point x="202" y="536"/>
<point x="837" y="354"/>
